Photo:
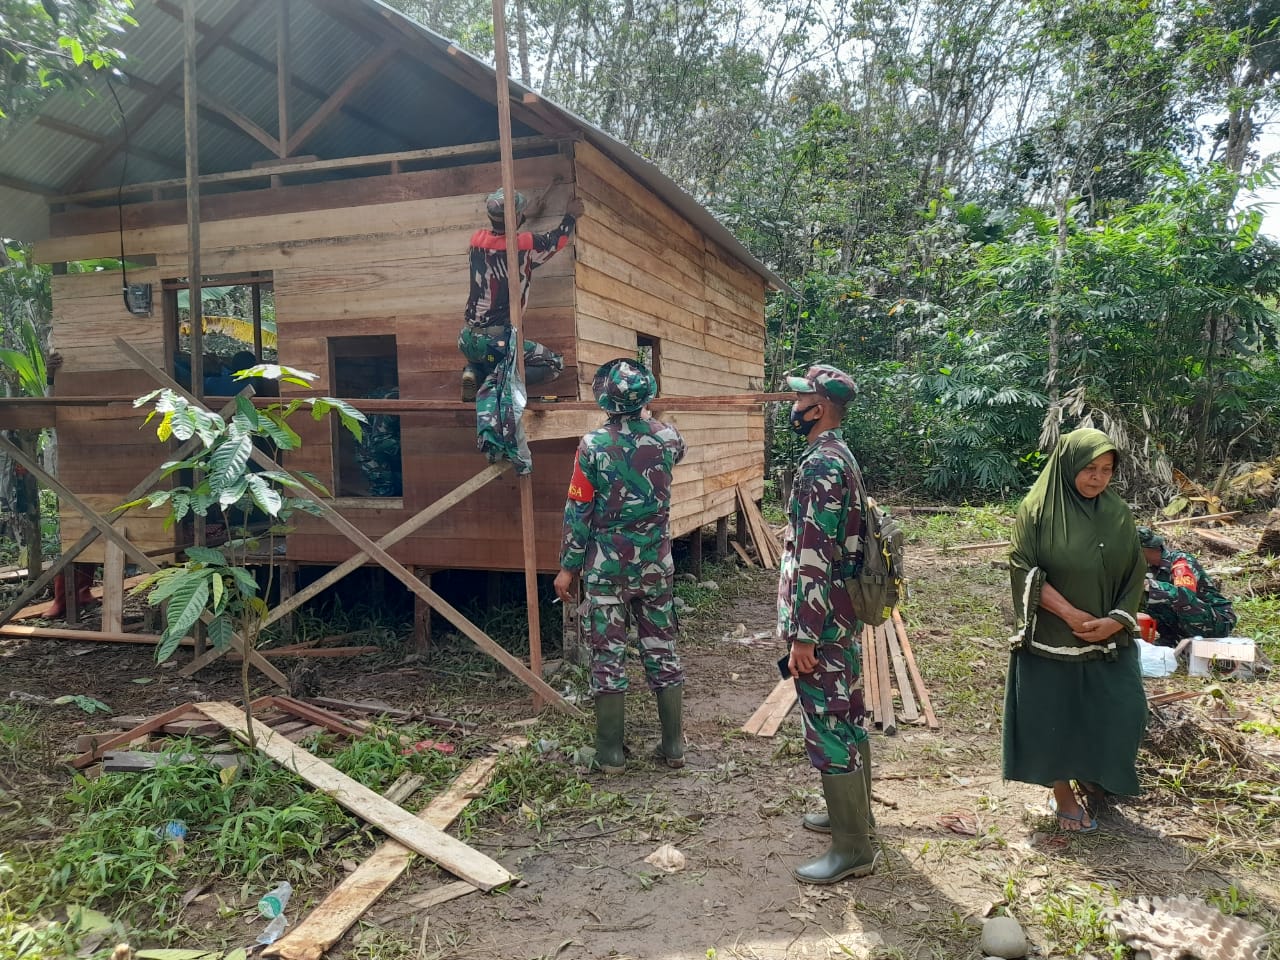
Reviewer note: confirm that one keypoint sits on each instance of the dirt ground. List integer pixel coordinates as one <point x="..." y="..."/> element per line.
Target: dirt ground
<point x="734" y="810"/>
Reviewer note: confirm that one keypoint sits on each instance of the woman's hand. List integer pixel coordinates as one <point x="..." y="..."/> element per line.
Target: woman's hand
<point x="1054" y="602"/>
<point x="1097" y="631"/>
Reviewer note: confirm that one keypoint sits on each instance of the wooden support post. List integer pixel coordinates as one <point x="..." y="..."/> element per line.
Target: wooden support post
<point x="113" y="589"/>
<point x="288" y="587"/>
<point x="695" y="552"/>
<point x="577" y="640"/>
<point x="512" y="222"/>
<point x="422" y="616"/>
<point x="722" y="539"/>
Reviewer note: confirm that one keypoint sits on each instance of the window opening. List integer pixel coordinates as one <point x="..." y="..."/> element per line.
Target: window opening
<point x="239" y="330"/>
<point x="365" y="367"/>
<point x="649" y="352"/>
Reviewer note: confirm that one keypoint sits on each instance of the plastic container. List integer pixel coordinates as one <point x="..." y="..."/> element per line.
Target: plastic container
<point x="274" y="901"/>
<point x="1147" y="628"/>
<point x="1157" y="661"/>
<point x="273" y="930"/>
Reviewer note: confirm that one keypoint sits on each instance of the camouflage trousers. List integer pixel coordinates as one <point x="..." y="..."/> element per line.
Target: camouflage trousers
<point x="833" y="710"/>
<point x="1178" y="617"/>
<point x="654" y="615"/>
<point x="485" y="347"/>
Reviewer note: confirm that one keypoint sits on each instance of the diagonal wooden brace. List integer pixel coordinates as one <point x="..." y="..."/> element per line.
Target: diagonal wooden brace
<point x="91" y="534"/>
<point x="377" y="553"/>
<point x="105" y="528"/>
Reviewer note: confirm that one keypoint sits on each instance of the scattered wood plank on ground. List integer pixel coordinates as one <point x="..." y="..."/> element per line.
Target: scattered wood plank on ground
<point x="433" y="843"/>
<point x="766" y="544"/>
<point x="325" y="925"/>
<point x="770" y="714"/>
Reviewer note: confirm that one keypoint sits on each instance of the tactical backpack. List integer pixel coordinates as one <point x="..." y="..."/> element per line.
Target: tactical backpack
<point x="873" y="568"/>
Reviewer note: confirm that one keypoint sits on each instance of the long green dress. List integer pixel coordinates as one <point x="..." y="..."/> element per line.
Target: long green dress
<point x="1074" y="710"/>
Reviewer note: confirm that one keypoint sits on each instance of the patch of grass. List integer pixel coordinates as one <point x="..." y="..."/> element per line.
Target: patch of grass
<point x="1072" y="918"/>
<point x="1260" y="619"/>
<point x="19" y="733"/>
<point x="966" y="525"/>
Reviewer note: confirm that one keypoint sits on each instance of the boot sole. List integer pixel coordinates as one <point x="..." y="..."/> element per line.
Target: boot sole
<point x="826" y="831"/>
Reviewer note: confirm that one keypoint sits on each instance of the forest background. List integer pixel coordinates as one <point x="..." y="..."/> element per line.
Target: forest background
<point x="1004" y="217"/>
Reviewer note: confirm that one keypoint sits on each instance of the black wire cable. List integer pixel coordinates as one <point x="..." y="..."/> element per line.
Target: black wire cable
<point x="124" y="172"/>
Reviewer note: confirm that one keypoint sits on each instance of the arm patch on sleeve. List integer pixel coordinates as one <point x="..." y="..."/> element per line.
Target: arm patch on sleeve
<point x="1184" y="575"/>
<point x="580" y="488"/>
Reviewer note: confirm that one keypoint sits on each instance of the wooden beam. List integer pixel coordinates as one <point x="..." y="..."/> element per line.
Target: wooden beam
<point x="354" y="81"/>
<point x="71" y="130"/>
<point x="317" y="166"/>
<point x="282" y="81"/>
<point x="524" y="481"/>
<point x="359" y="890"/>
<point x="242" y="122"/>
<point x="112" y="589"/>
<point x="925" y="705"/>
<point x="393" y="566"/>
<point x="141" y="559"/>
<point x="270" y="67"/>
<point x="419" y="836"/>
<point x="26" y="186"/>
<point x="214" y="36"/>
<point x="909" y="709"/>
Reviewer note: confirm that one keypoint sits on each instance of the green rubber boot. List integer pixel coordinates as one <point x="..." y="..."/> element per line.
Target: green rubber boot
<point x="671" y="714"/>
<point x="610" y="721"/>
<point x="852" y="854"/>
<point x="821" y="822"/>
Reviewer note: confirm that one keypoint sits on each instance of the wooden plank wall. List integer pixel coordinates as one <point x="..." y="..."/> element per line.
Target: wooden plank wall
<point x="643" y="269"/>
<point x="387" y="256"/>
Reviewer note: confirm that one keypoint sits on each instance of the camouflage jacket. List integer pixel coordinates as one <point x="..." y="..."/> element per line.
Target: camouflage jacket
<point x="1180" y="581"/>
<point x="616" y="517"/>
<point x="489" y="296"/>
<point x="823" y="521"/>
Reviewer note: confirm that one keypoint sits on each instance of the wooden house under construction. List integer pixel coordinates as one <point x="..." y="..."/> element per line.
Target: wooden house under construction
<point x="344" y="156"/>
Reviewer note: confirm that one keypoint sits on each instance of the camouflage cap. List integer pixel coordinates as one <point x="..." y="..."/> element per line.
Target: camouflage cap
<point x="826" y="381"/>
<point x="494" y="204"/>
<point x="623" y="385"/>
<point x="1149" y="539"/>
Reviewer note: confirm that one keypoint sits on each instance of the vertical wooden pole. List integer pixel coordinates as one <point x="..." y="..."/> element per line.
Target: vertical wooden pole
<point x="524" y="482"/>
<point x="113" y="589"/>
<point x="282" y="75"/>
<point x="194" y="294"/>
<point x="695" y="552"/>
<point x="722" y="538"/>
<point x="422" y="616"/>
<point x="288" y="587"/>
<point x="257" y="322"/>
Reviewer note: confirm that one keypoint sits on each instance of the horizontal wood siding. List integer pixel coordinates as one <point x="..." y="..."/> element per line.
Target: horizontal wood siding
<point x="643" y="269"/>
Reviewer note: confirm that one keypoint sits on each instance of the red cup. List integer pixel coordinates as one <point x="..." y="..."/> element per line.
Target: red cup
<point x="1147" y="628"/>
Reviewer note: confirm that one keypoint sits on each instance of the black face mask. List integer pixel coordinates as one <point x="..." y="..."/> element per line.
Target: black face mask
<point x="799" y="424"/>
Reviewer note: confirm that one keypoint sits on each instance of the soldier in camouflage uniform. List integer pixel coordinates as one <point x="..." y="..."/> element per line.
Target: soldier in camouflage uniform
<point x="378" y="451"/>
<point x="617" y="536"/>
<point x="486" y="336"/>
<point x="1183" y="600"/>
<point x="817" y="622"/>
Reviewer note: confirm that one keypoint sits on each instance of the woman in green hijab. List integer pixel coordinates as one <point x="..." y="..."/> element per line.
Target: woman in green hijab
<point x="1074" y="708"/>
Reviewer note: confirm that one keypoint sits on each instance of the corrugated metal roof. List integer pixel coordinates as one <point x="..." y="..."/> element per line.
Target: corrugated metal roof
<point x="409" y="104"/>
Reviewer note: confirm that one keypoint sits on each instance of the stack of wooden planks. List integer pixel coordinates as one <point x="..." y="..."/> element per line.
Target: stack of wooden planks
<point x="762" y="538"/>
<point x="889" y="665"/>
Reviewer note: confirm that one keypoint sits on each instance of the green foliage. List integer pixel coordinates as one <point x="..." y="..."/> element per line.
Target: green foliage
<point x="47" y="45"/>
<point x="214" y="583"/>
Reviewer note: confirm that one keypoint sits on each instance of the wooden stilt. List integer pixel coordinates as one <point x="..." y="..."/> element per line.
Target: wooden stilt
<point x="113" y="589"/>
<point x="695" y="552"/>
<point x="422" y="616"/>
<point x="722" y="539"/>
<point x="870" y="674"/>
<point x="288" y="587"/>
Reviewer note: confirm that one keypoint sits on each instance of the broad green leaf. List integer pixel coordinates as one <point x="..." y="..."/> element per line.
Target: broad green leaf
<point x="187" y="602"/>
<point x="206" y="555"/>
<point x="228" y="462"/>
<point x="220" y="630"/>
<point x="269" y="501"/>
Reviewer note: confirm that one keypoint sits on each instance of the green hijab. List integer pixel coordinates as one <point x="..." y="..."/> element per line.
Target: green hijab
<point x="1086" y="547"/>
